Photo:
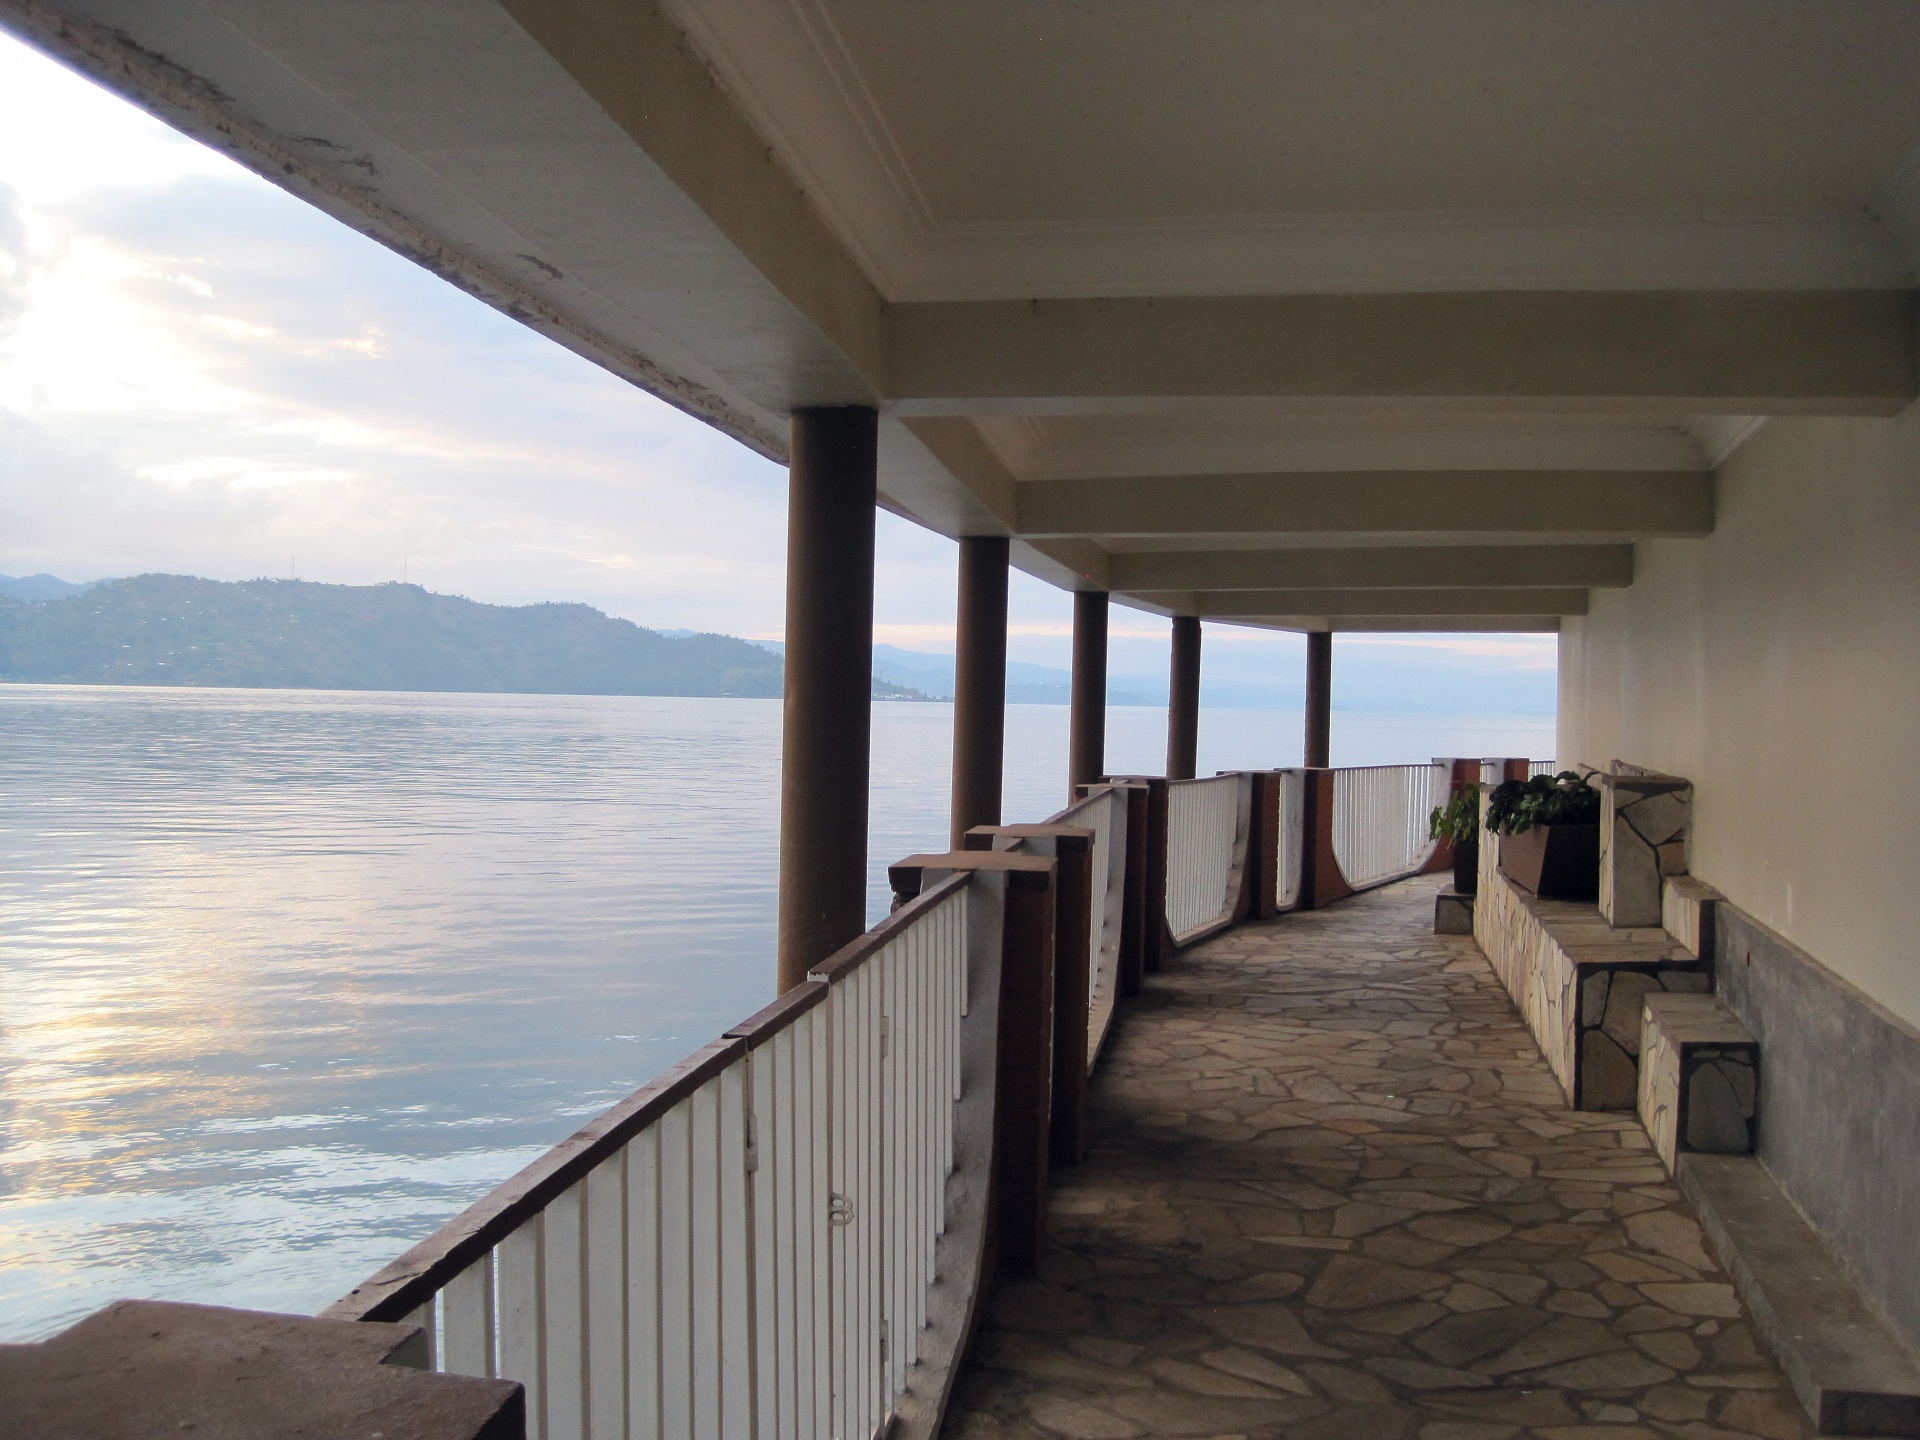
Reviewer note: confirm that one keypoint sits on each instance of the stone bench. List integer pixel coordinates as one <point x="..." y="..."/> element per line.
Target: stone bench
<point x="1687" y="908"/>
<point x="1580" y="983"/>
<point x="1699" y="1077"/>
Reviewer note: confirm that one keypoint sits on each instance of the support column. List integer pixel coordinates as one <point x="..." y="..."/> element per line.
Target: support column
<point x="1319" y="698"/>
<point x="1087" y="723"/>
<point x="829" y="685"/>
<point x="979" y="684"/>
<point x="1183" y="699"/>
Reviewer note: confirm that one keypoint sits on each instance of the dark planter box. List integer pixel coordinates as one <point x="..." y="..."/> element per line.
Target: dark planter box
<point x="1466" y="867"/>
<point x="1555" y="862"/>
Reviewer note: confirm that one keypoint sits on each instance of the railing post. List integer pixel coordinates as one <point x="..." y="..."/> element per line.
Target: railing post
<point x="1071" y="847"/>
<point x="1024" y="1083"/>
<point x="1462" y="776"/>
<point x="1263" y="847"/>
<point x="1134" y="908"/>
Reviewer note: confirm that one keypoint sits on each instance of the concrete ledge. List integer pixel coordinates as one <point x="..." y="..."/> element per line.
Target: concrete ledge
<point x="142" y="1368"/>
<point x="1842" y="1360"/>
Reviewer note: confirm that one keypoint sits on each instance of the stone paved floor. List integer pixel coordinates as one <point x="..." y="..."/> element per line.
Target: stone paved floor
<point x="1334" y="1191"/>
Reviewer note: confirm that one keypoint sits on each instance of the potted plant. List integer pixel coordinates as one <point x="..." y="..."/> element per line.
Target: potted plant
<point x="1549" y="829"/>
<point x="1459" y="821"/>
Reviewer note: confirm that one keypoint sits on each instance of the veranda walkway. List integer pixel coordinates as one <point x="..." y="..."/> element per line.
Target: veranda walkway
<point x="1334" y="1191"/>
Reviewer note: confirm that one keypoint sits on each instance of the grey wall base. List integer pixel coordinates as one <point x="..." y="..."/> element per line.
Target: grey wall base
<point x="1843" y="1362"/>
<point x="1839" y="1108"/>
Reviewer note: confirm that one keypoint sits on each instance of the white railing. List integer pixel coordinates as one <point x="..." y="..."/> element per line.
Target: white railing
<point x="1206" y="851"/>
<point x="1380" y="820"/>
<point x="747" y="1246"/>
<point x="1541" y="767"/>
<point x="1104" y="811"/>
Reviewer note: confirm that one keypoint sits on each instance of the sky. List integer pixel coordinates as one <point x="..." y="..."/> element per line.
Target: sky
<point x="200" y="374"/>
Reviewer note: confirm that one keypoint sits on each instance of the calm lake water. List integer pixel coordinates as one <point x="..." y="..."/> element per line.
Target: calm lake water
<point x="289" y="977"/>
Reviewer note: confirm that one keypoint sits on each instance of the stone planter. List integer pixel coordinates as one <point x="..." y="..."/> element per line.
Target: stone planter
<point x="1554" y="862"/>
<point x="1466" y="867"/>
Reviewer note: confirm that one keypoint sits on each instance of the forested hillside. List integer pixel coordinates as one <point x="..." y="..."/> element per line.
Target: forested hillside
<point x="177" y="630"/>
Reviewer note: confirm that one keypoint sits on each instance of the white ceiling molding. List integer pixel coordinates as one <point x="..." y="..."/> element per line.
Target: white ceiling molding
<point x="1720" y="435"/>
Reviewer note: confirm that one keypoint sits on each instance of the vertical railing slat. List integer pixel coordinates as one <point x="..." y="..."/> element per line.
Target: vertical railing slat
<point x="643" y="1287"/>
<point x="467" y="1305"/>
<point x="676" y="1336"/>
<point x="522" y="1313"/>
<point x="563" y="1313"/>
<point x="606" y="1299"/>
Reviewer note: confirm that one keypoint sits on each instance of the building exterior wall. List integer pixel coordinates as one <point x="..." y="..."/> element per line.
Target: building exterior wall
<point x="1776" y="664"/>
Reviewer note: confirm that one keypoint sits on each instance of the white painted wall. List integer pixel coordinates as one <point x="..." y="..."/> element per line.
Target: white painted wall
<point x="1777" y="664"/>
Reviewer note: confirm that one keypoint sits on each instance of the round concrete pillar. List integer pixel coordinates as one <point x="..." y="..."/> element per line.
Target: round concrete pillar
<point x="827" y="718"/>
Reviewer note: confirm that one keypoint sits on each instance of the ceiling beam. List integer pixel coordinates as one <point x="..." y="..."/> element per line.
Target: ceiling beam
<point x="1385" y="567"/>
<point x="1237" y="604"/>
<point x="1825" y="352"/>
<point x="1589" y="502"/>
<point x="1398" y="624"/>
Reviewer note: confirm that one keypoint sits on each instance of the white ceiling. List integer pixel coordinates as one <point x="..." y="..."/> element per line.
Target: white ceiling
<point x="1005" y="149"/>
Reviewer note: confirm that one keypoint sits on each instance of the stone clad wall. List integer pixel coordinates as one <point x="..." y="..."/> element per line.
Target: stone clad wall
<point x="1643" y="841"/>
<point x="1535" y="971"/>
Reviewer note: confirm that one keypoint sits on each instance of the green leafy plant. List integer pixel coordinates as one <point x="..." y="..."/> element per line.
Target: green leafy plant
<point x="1566" y="799"/>
<point x="1459" y="819"/>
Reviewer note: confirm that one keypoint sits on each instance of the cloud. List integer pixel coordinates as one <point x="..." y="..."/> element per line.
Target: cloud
<point x="201" y="374"/>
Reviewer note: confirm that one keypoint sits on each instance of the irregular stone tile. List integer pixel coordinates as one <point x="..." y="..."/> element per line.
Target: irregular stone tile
<point x="1079" y="1421"/>
<point x="1265" y="1327"/>
<point x="1352" y="1283"/>
<point x="1394" y="1319"/>
<point x="1560" y="1340"/>
<point x="1464" y="1338"/>
<point x="1249" y="1366"/>
<point x="1694" y="1299"/>
<point x="1418" y="1375"/>
<point x="1676" y="1402"/>
<point x="1621" y="1370"/>
<point x="1168" y="1413"/>
<point x="1666" y="1232"/>
<point x="1352" y="1386"/>
<point x="1203" y="1380"/>
<point x="1765" y="1413"/>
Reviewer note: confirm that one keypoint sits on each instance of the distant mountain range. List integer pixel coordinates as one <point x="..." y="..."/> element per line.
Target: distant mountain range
<point x="42" y="587"/>
<point x="177" y="630"/>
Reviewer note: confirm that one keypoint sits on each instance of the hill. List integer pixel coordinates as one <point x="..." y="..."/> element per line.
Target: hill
<point x="177" y="630"/>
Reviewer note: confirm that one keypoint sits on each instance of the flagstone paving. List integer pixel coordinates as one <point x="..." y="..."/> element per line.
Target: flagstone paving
<point x="1334" y="1191"/>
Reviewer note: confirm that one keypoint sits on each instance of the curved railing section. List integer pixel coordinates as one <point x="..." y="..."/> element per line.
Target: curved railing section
<point x="1289" y="831"/>
<point x="1380" y="820"/>
<point x="1104" y="811"/>
<point x="1207" y="825"/>
<point x="779" y="1237"/>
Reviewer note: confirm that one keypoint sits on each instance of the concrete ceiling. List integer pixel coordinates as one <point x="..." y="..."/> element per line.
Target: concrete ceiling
<point x="1318" y="314"/>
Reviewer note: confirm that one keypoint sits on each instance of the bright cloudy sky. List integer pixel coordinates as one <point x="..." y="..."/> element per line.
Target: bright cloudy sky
<point x="201" y="374"/>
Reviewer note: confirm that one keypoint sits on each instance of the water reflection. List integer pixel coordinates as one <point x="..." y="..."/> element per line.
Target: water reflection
<point x="287" y="978"/>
